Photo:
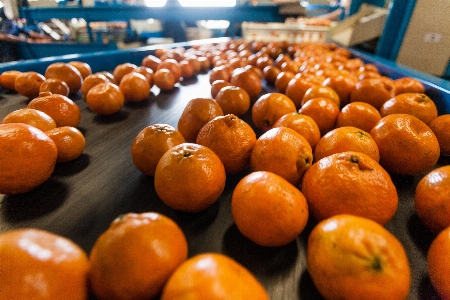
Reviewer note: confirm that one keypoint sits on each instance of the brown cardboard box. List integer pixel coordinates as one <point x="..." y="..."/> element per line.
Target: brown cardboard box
<point x="365" y="25"/>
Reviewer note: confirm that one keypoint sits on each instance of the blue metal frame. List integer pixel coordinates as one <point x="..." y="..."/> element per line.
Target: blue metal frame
<point x="400" y="12"/>
<point x="263" y="13"/>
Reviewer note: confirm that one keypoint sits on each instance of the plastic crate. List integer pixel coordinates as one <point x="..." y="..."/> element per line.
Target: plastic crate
<point x="290" y="32"/>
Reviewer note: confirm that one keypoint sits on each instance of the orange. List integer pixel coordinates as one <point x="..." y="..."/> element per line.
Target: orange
<point x="55" y="86"/>
<point x="220" y="73"/>
<point x="343" y="85"/>
<point x="213" y="276"/>
<point x="60" y="108"/>
<point x="432" y="199"/>
<point x="195" y="115"/>
<point x="67" y="73"/>
<point x="347" y="138"/>
<point x="91" y="81"/>
<point x="28" y="84"/>
<point x="269" y="108"/>
<point x="134" y="87"/>
<point x="351" y="257"/>
<point x="358" y="114"/>
<point x="319" y="91"/>
<point x="281" y="59"/>
<point x="297" y="88"/>
<point x="264" y="61"/>
<point x="290" y="66"/>
<point x="173" y="66"/>
<point x="69" y="141"/>
<point x="123" y="69"/>
<point x="233" y="100"/>
<point x="352" y="183"/>
<point x="105" y="99"/>
<point x="440" y="127"/>
<point x="408" y="85"/>
<point x="164" y="79"/>
<point x="231" y="138"/>
<point x="282" y="80"/>
<point x="151" y="61"/>
<point x="368" y="74"/>
<point x="145" y="248"/>
<point x="270" y="74"/>
<point x="193" y="61"/>
<point x="284" y="152"/>
<point x="407" y="145"/>
<point x="302" y="124"/>
<point x="217" y="85"/>
<point x="187" y="70"/>
<point x="7" y="79"/>
<point x="323" y="111"/>
<point x="416" y="104"/>
<point x="439" y="263"/>
<point x="353" y="64"/>
<point x="268" y="210"/>
<point x="205" y="64"/>
<point x="248" y="80"/>
<point x="374" y="91"/>
<point x="109" y="76"/>
<point x="41" y="265"/>
<point x="147" y="73"/>
<point x="151" y="143"/>
<point x="31" y="117"/>
<point x="206" y="175"/>
<point x="27" y="156"/>
<point x="82" y="67"/>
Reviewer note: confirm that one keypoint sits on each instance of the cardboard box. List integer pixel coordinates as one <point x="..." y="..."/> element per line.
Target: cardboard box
<point x="365" y="25"/>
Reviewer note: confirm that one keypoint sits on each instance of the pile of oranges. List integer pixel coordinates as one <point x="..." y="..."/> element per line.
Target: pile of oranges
<point x="321" y="147"/>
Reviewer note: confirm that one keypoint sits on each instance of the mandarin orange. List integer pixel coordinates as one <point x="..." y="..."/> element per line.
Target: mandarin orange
<point x="28" y="83"/>
<point x="323" y="111"/>
<point x="351" y="257"/>
<point x="439" y="263"/>
<point x="302" y="124"/>
<point x="352" y="183"/>
<point x="105" y="98"/>
<point x="347" y="138"/>
<point x="134" y="87"/>
<point x="206" y="175"/>
<point x="269" y="108"/>
<point x="145" y="248"/>
<point x="55" y="86"/>
<point x="233" y="100"/>
<point x="69" y="141"/>
<point x="67" y="73"/>
<point x="268" y="210"/>
<point x="195" y="115"/>
<point x="32" y="117"/>
<point x="231" y="138"/>
<point x="432" y="199"/>
<point x="407" y="145"/>
<point x="440" y="127"/>
<point x="284" y="152"/>
<point x="416" y="104"/>
<point x="213" y="276"/>
<point x="374" y="91"/>
<point x="40" y="265"/>
<point x="61" y="109"/>
<point x="151" y="143"/>
<point x="28" y="158"/>
<point x="358" y="114"/>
